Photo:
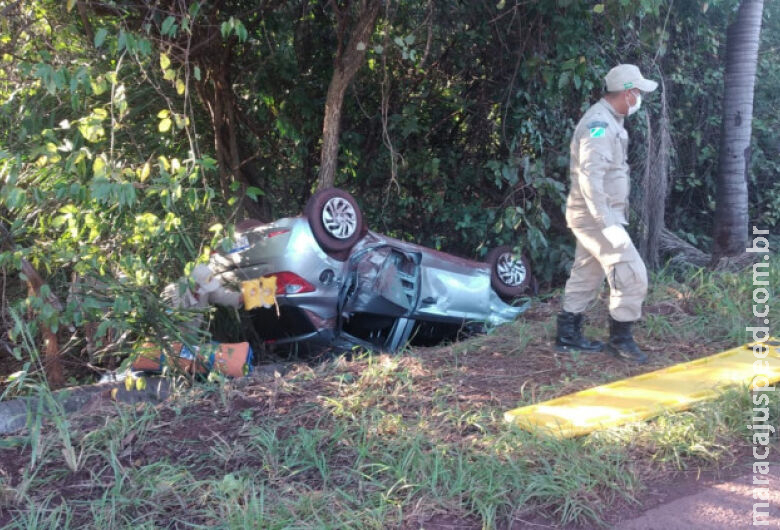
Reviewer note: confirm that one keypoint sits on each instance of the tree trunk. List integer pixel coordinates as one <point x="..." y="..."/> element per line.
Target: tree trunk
<point x="731" y="211"/>
<point x="216" y="93"/>
<point x="51" y="349"/>
<point x="346" y="65"/>
<point x="655" y="184"/>
<point x="331" y="129"/>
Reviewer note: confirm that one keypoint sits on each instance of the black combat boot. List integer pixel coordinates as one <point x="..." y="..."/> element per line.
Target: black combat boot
<point x="621" y="342"/>
<point x="570" y="335"/>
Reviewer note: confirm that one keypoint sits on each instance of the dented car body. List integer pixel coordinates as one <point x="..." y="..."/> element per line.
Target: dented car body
<point x="373" y="290"/>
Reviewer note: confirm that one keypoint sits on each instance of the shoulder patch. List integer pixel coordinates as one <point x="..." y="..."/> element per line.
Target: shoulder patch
<point x="597" y="132"/>
<point x="597" y="129"/>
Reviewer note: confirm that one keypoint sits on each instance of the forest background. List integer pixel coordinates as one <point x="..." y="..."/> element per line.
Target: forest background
<point x="134" y="135"/>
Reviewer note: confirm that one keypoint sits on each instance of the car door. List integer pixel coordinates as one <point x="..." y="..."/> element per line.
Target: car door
<point x="382" y="281"/>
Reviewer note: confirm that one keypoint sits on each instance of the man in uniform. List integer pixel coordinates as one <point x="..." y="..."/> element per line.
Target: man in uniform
<point x="597" y="212"/>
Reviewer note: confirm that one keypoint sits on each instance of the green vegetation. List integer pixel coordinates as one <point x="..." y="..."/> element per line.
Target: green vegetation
<point x="377" y="441"/>
<point x="720" y="302"/>
<point x="372" y="452"/>
<point x="133" y="138"/>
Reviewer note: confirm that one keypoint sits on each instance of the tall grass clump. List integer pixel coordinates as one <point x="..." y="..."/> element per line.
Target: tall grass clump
<point x="708" y="305"/>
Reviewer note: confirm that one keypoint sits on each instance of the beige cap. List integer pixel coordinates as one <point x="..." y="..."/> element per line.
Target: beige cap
<point x="204" y="278"/>
<point x="626" y="77"/>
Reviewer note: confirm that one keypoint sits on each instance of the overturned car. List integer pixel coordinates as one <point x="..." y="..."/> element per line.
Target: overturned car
<point x="339" y="284"/>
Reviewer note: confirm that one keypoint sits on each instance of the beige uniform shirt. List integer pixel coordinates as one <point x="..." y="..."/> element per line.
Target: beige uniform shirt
<point x="599" y="170"/>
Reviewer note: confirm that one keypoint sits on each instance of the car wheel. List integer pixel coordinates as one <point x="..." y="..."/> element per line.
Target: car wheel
<point x="335" y="220"/>
<point x="510" y="273"/>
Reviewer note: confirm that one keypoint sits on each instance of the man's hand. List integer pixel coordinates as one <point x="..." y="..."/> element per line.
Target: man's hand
<point x="617" y="236"/>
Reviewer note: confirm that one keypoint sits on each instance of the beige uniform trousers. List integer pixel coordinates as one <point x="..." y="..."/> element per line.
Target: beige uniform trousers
<point x="594" y="259"/>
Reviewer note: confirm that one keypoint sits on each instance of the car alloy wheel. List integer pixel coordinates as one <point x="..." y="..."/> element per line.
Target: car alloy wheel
<point x="510" y="270"/>
<point x="339" y="218"/>
<point x="335" y="221"/>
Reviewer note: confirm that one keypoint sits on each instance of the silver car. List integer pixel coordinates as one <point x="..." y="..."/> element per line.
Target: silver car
<point x="339" y="284"/>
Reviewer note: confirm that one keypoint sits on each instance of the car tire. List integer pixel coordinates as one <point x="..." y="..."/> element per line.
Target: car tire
<point x="510" y="273"/>
<point x="335" y="220"/>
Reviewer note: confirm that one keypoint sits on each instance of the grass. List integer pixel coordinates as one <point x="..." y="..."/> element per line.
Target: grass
<point x="388" y="441"/>
<point x="697" y="304"/>
<point x="360" y="459"/>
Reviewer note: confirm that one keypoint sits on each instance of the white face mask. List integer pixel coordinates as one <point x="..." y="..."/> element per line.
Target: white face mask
<point x="635" y="107"/>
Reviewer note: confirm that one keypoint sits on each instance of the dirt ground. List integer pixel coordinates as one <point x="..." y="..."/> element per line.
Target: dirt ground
<point x="516" y="365"/>
<point x="722" y="505"/>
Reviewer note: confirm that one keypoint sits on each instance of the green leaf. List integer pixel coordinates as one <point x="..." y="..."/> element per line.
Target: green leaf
<point x="253" y="192"/>
<point x="145" y="171"/>
<point x="99" y="167"/>
<point x="14" y="197"/>
<point x="46" y="74"/>
<point x="598" y="8"/>
<point x="196" y="73"/>
<point x="103" y="328"/>
<point x="99" y="85"/>
<point x="181" y="121"/>
<point x="167" y="24"/>
<point x="241" y="32"/>
<point x="91" y="130"/>
<point x="100" y="37"/>
<point x="564" y="80"/>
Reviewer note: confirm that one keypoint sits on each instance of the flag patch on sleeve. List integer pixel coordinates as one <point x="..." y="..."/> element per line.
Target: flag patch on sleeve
<point x="597" y="129"/>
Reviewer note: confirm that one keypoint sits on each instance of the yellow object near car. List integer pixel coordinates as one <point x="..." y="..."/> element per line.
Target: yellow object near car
<point x="645" y="396"/>
<point x="260" y="292"/>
